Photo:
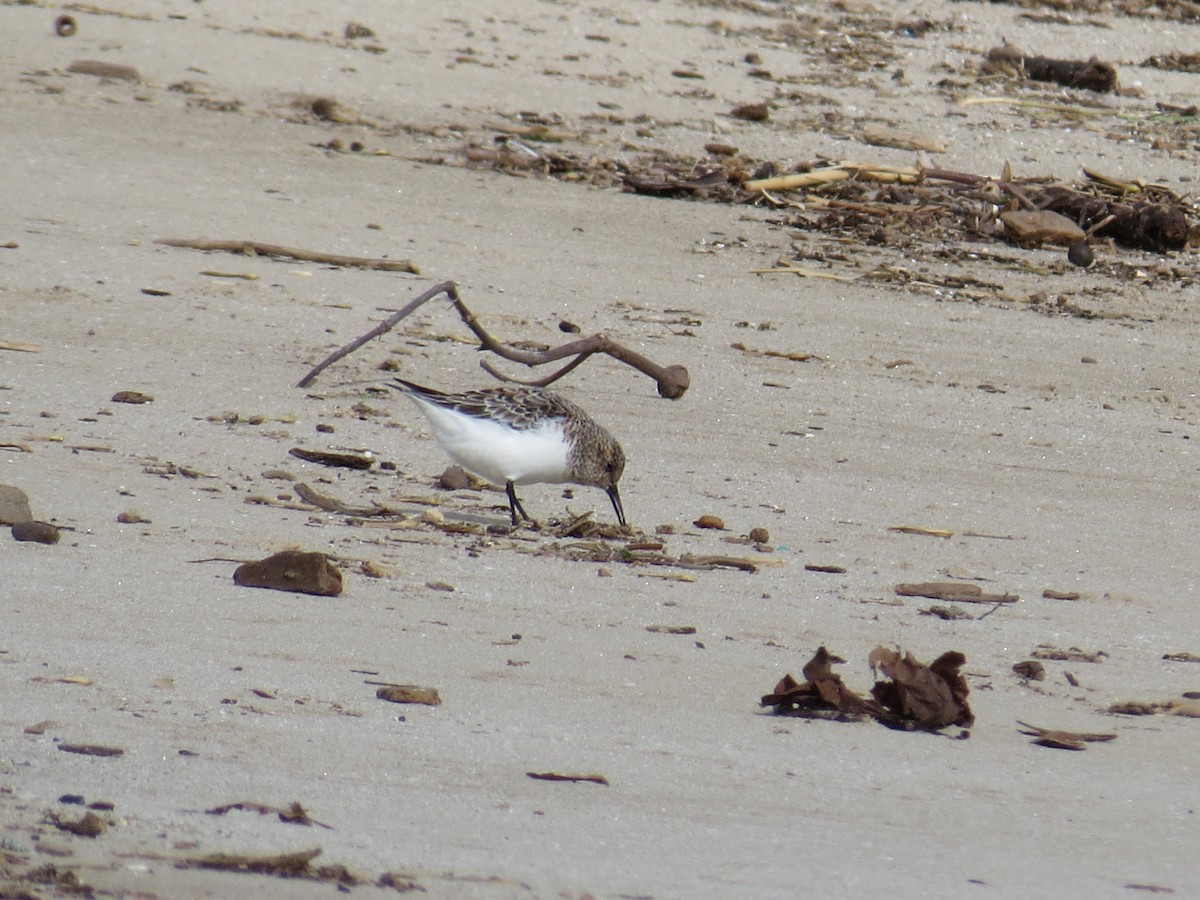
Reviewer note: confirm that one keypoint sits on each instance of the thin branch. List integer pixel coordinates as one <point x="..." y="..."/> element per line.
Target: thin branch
<point x="672" y="381"/>
<point x="256" y="248"/>
<point x="446" y="287"/>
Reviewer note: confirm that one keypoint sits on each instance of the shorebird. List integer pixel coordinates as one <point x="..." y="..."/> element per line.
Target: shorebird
<point x="522" y="435"/>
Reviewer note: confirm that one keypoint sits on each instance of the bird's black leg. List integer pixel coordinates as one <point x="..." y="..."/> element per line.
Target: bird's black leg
<point x="514" y="505"/>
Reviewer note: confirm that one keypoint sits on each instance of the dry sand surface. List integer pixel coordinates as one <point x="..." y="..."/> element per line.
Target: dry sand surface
<point x="1042" y="415"/>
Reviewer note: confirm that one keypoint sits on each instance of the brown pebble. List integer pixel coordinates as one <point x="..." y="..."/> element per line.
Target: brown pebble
<point x="440" y="586"/>
<point x="129" y="517"/>
<point x="1080" y="253"/>
<point x="455" y="478"/>
<point x="64" y="26"/>
<point x="324" y="428"/>
<point x="14" y="505"/>
<point x="39" y="532"/>
<point x="409" y="693"/>
<point x="292" y="570"/>
<point x="714" y="522"/>
<point x="760" y="535"/>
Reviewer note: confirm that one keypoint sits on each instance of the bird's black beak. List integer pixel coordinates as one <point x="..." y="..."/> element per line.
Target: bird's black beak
<point x="616" y="502"/>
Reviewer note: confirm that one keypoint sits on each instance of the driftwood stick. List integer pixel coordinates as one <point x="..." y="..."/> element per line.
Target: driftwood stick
<point x="256" y="248"/>
<point x="672" y="381"/>
<point x="540" y="382"/>
<point x="386" y="325"/>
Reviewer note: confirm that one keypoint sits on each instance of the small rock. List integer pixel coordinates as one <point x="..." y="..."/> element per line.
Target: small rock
<point x="714" y="522"/>
<point x="1080" y="253"/>
<point x="455" y="478"/>
<point x="14" y="505"/>
<point x="40" y="532"/>
<point x="760" y="535"/>
<point x="292" y="570"/>
<point x="129" y="517"/>
<point x="440" y="586"/>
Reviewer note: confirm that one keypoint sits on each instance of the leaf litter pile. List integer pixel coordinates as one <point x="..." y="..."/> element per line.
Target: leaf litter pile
<point x="911" y="695"/>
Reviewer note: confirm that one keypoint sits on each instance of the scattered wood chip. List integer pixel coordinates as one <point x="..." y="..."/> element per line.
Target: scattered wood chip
<point x="883" y="136"/>
<point x="133" y="397"/>
<point x="309" y="494"/>
<point x="287" y="865"/>
<point x="957" y="591"/>
<point x="560" y="776"/>
<point x="409" y="693"/>
<point x="831" y="570"/>
<point x="91" y="749"/>
<point x="916" y="529"/>
<point x="1181" y="657"/>
<point x="1063" y="740"/>
<point x="292" y="570"/>
<point x="775" y="354"/>
<point x="947" y="613"/>
<point x="1050" y="594"/>
<point x="1134" y="708"/>
<point x="1074" y="654"/>
<point x="336" y="460"/>
<point x="89" y="825"/>
<point x="293" y="814"/>
<point x="1091" y="74"/>
<point x="671" y="629"/>
<point x="20" y="347"/>
<point x="100" y="69"/>
<point x="257" y="248"/>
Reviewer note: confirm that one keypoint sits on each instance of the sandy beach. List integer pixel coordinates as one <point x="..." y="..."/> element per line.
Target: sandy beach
<point x="883" y="394"/>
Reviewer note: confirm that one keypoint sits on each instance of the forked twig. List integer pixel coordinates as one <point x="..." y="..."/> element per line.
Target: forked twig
<point x="672" y="381"/>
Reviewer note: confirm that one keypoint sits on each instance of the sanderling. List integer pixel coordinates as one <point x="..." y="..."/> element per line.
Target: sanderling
<point x="522" y="435"/>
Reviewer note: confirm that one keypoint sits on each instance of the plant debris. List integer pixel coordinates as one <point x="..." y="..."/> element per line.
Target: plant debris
<point x="1074" y="654"/>
<point x="1091" y="74"/>
<point x="257" y="248"/>
<point x="559" y="776"/>
<point x="284" y="865"/>
<point x="916" y="696"/>
<point x="1063" y="740"/>
<point x="409" y="693"/>
<point x="337" y="460"/>
<point x="89" y="825"/>
<point x="958" y="591"/>
<point x="295" y="814"/>
<point x="91" y="749"/>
